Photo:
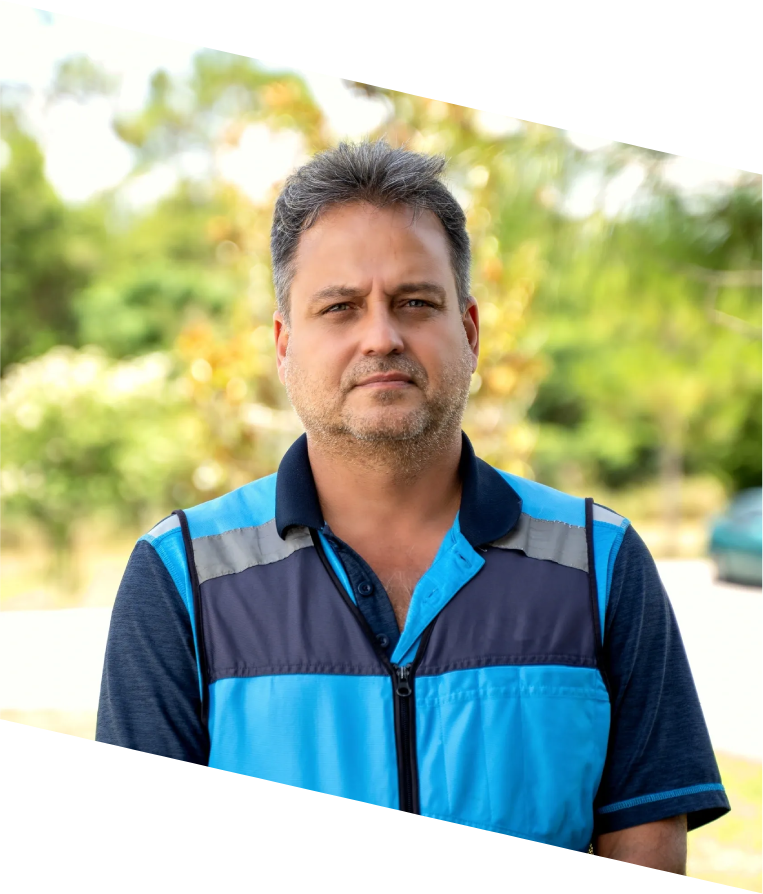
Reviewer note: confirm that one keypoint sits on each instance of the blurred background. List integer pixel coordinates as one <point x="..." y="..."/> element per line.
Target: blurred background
<point x="619" y="289"/>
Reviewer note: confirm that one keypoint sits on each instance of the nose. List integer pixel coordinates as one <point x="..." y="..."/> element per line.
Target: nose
<point x="381" y="333"/>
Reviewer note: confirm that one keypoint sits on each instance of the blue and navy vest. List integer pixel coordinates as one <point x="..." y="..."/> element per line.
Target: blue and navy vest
<point x="493" y="709"/>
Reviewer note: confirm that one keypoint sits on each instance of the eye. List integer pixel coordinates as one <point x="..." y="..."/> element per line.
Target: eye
<point x="335" y="308"/>
<point x="417" y="302"/>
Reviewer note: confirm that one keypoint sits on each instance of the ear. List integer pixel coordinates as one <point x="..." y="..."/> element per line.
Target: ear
<point x="281" y="333"/>
<point x="471" y="321"/>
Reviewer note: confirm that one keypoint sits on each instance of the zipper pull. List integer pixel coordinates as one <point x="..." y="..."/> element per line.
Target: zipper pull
<point x="403" y="688"/>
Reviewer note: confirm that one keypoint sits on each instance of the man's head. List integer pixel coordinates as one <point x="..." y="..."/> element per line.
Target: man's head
<point x="370" y="172"/>
<point x="376" y="332"/>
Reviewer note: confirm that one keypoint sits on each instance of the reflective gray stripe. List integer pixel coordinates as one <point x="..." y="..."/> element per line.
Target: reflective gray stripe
<point x="606" y="515"/>
<point x="242" y="548"/>
<point x="167" y="525"/>
<point x="549" y="540"/>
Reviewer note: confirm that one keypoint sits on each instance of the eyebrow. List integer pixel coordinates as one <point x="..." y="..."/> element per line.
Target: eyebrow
<point x="406" y="288"/>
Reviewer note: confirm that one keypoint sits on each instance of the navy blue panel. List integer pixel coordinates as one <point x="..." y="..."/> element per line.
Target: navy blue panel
<point x="516" y="610"/>
<point x="282" y="618"/>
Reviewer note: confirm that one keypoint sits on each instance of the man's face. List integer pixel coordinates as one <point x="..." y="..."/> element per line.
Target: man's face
<point x="376" y="347"/>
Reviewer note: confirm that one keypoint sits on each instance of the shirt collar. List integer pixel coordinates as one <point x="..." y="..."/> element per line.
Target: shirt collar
<point x="490" y="507"/>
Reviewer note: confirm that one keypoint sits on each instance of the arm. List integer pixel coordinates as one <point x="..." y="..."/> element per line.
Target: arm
<point x="150" y="687"/>
<point x="660" y="764"/>
<point x="658" y="845"/>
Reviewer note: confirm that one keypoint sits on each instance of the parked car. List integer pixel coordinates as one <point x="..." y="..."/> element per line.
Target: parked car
<point x="736" y="540"/>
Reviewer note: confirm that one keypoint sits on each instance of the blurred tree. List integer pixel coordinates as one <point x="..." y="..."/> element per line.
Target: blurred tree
<point x="84" y="436"/>
<point x="213" y="107"/>
<point x="185" y="258"/>
<point x="650" y="376"/>
<point x="49" y="251"/>
<point x="79" y="77"/>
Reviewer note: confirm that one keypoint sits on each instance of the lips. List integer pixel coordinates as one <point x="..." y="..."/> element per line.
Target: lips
<point x="390" y="378"/>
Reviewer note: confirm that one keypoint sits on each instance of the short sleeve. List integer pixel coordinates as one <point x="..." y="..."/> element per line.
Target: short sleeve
<point x="660" y="761"/>
<point x="150" y="697"/>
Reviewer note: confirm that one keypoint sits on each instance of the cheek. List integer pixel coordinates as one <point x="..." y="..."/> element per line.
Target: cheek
<point x="439" y="351"/>
<point x="317" y="359"/>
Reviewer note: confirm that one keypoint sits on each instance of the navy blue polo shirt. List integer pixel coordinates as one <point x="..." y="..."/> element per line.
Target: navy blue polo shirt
<point x="489" y="508"/>
<point x="658" y="741"/>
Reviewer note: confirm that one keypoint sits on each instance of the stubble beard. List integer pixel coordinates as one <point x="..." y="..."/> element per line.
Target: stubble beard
<point x="403" y="442"/>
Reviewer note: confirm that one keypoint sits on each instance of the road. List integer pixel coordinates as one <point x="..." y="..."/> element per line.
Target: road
<point x="52" y="659"/>
<point x="722" y="629"/>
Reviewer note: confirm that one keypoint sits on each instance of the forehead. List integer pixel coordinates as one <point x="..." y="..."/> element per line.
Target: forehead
<point x="358" y="242"/>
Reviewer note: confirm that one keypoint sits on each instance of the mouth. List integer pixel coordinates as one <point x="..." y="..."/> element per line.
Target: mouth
<point x="386" y="380"/>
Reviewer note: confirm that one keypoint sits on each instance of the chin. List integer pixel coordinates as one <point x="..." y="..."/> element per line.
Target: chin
<point x="386" y="426"/>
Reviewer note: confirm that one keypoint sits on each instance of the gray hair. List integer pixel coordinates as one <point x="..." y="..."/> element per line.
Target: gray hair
<point x="370" y="172"/>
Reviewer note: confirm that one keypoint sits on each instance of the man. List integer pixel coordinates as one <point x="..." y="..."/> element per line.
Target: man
<point x="388" y="618"/>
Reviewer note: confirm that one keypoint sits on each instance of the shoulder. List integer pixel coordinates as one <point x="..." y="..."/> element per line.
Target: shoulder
<point x="544" y="502"/>
<point x="636" y="584"/>
<point x="253" y="504"/>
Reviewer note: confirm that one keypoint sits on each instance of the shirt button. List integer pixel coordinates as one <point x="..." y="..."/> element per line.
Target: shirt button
<point x="365" y="589"/>
<point x="383" y="640"/>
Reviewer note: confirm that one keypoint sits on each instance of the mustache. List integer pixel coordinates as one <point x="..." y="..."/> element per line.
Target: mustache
<point x="405" y="365"/>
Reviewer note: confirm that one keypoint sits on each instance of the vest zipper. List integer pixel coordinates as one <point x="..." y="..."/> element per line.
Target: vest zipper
<point x="402" y="687"/>
<point x="405" y="706"/>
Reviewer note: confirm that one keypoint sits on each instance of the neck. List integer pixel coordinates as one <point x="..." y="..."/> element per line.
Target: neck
<point x="372" y="484"/>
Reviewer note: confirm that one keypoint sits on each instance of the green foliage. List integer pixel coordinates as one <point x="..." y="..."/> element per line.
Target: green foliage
<point x="49" y="252"/>
<point x="223" y="95"/>
<point x="83" y="434"/>
<point x="146" y="308"/>
<point x="80" y="78"/>
<point x="646" y="367"/>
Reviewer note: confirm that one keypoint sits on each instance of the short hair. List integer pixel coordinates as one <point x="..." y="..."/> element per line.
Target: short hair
<point x="373" y="172"/>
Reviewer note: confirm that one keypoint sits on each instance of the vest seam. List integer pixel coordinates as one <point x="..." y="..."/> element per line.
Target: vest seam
<point x="232" y="530"/>
<point x="296" y="669"/>
<point x="508" y="661"/>
<point x="532" y="690"/>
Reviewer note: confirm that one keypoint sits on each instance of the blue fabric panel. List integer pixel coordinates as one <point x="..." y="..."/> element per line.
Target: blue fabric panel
<point x="337" y="566"/>
<point x="252" y="504"/>
<point x="164" y="526"/>
<point x="541" y="501"/>
<point x="282" y="618"/>
<point x="169" y="547"/>
<point x="455" y="564"/>
<point x="486" y="757"/>
<point x="517" y="610"/>
<point x="331" y="734"/>
<point x="606" y="543"/>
